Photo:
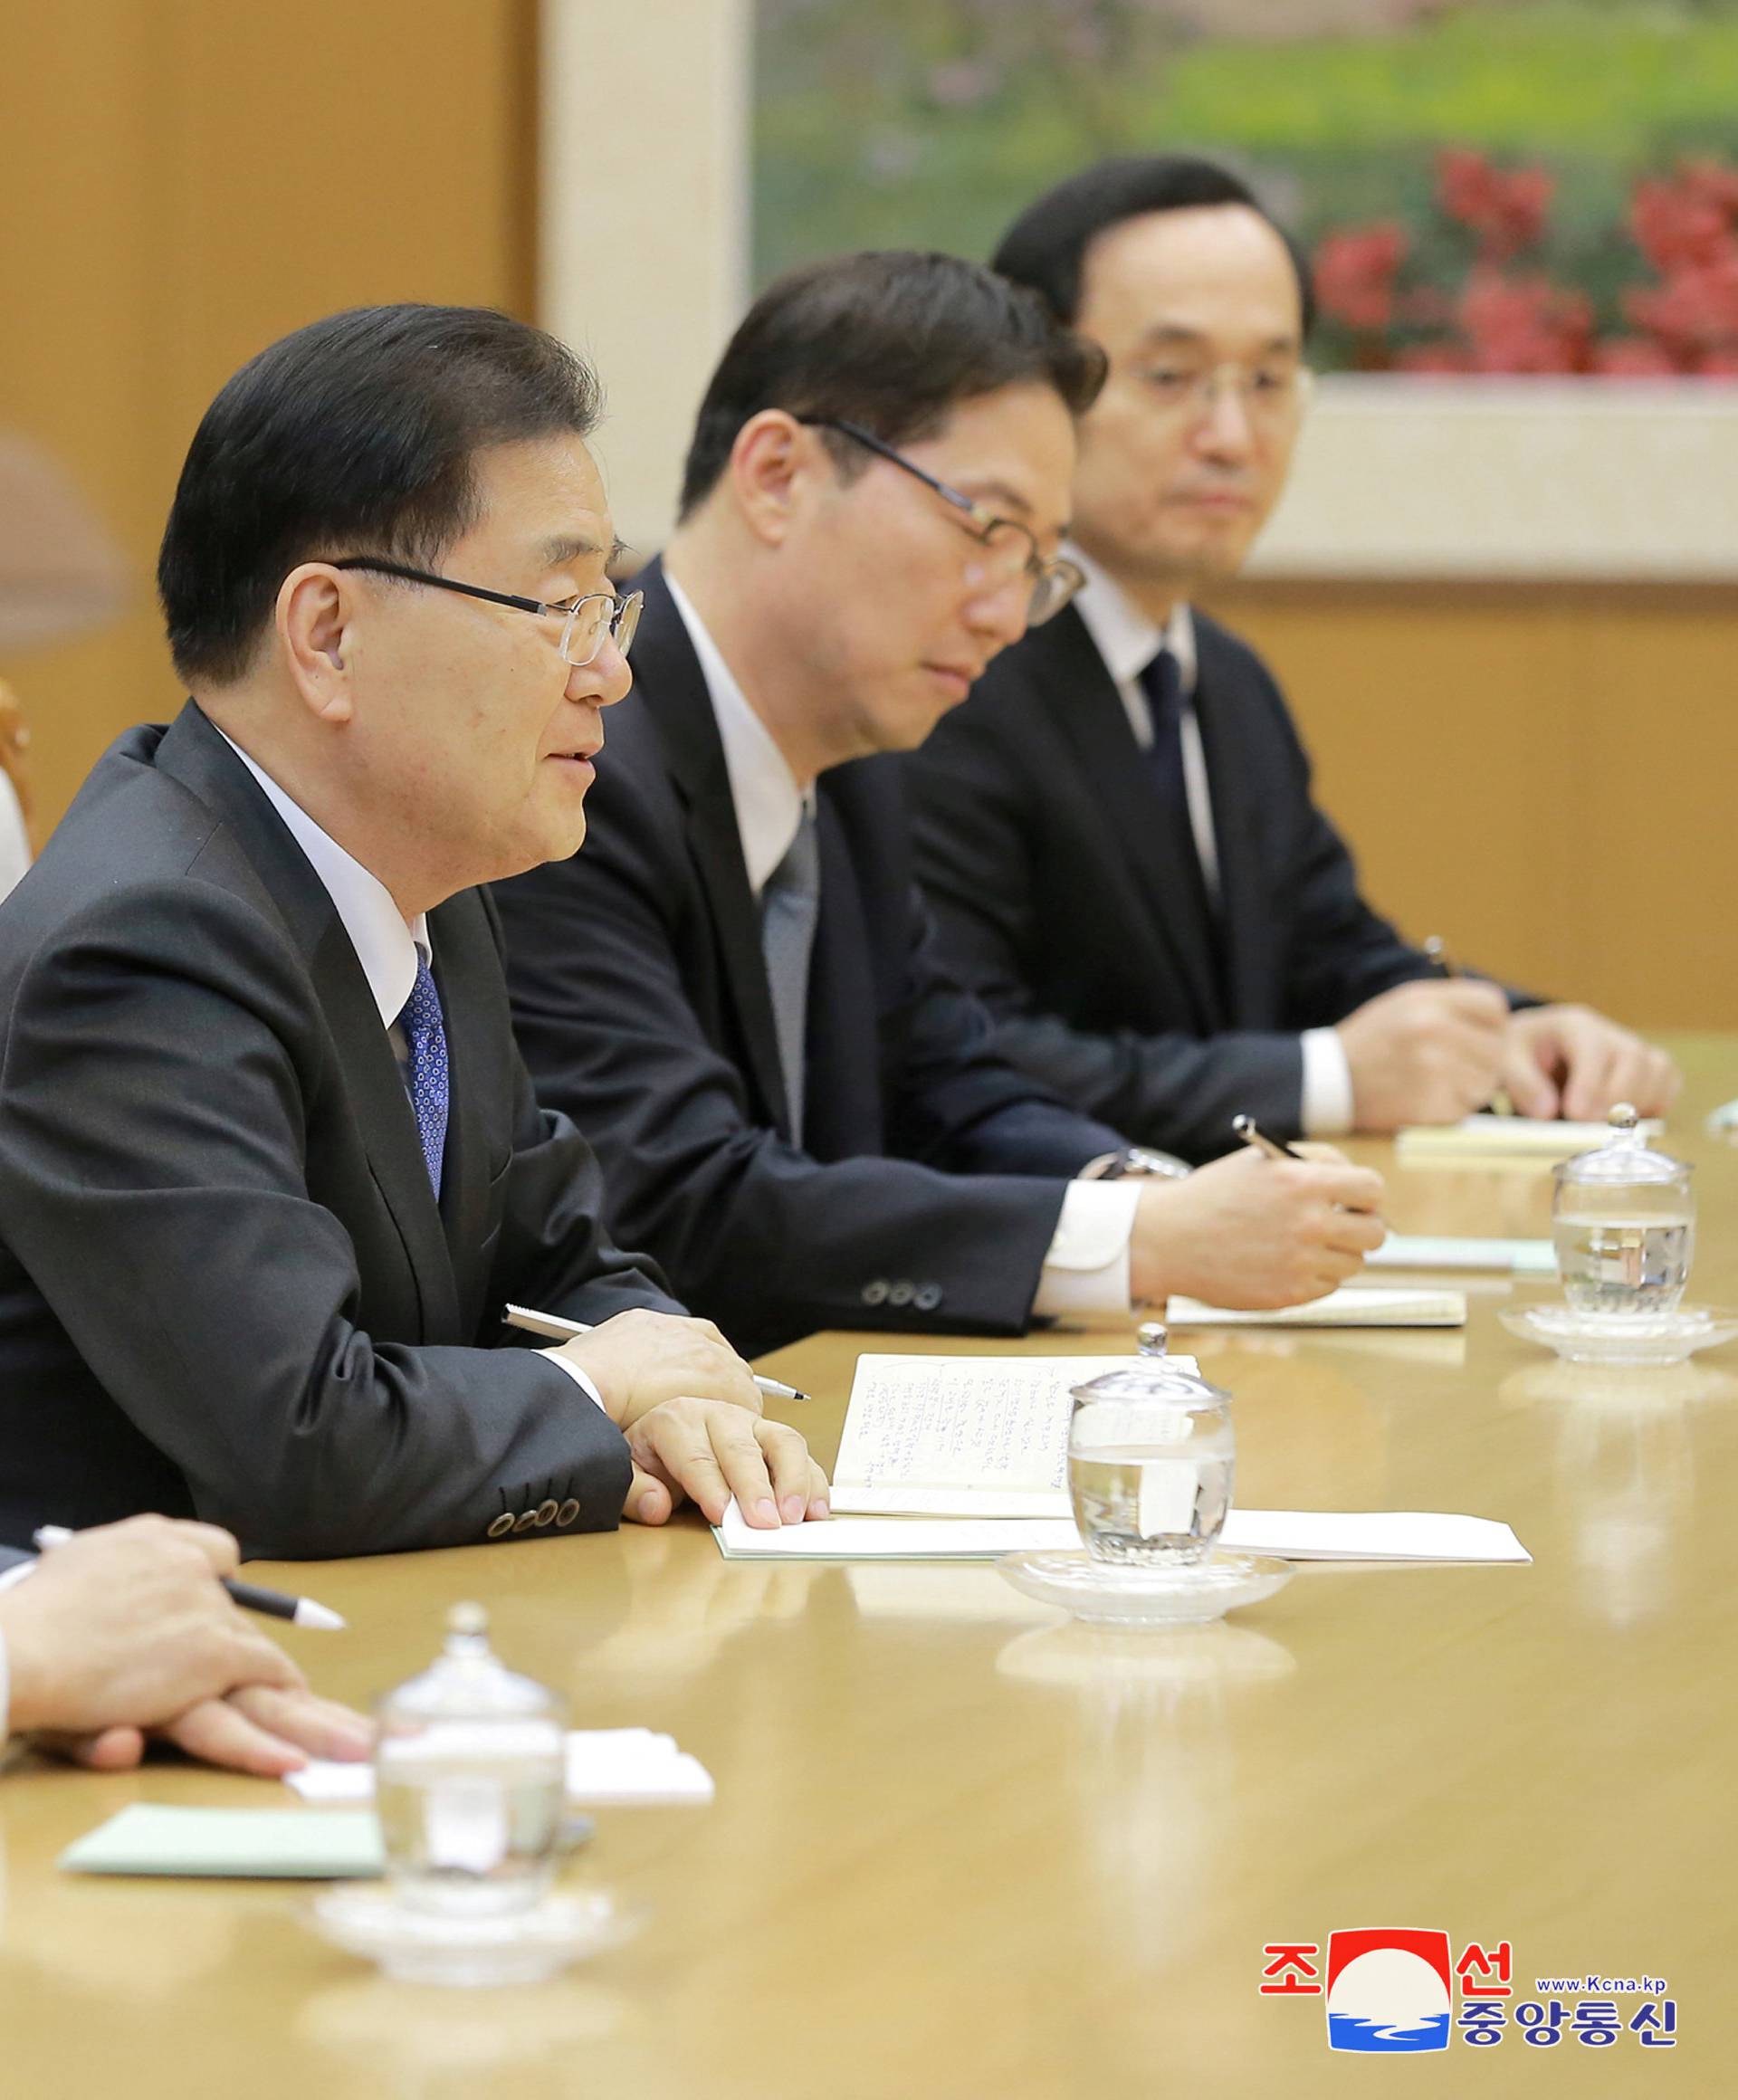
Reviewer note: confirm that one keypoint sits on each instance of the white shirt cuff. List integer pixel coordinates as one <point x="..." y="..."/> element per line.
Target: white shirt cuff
<point x="1086" y="1269"/>
<point x="575" y="1373"/>
<point x="1327" y="1109"/>
<point x="15" y="1574"/>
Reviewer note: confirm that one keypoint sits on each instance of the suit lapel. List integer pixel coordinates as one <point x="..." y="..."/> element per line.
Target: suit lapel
<point x="1088" y="708"/>
<point x="673" y="686"/>
<point x="195" y="754"/>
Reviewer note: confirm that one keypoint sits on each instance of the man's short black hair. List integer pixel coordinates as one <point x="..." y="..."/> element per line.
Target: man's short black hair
<point x="1045" y="247"/>
<point x="354" y="435"/>
<point x="890" y="338"/>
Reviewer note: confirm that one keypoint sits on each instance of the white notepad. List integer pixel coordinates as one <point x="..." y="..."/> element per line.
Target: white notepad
<point x="961" y="1436"/>
<point x="607" y="1767"/>
<point x="1350" y="1306"/>
<point x="1518" y="1257"/>
<point x="1479" y="1138"/>
<point x="1395" y="1536"/>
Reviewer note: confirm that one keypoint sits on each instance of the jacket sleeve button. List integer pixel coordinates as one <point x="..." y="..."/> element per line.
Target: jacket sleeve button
<point x="524" y="1520"/>
<point x="568" y="1511"/>
<point x="546" y="1514"/>
<point x="502" y="1525"/>
<point x="875" y="1293"/>
<point x="928" y="1298"/>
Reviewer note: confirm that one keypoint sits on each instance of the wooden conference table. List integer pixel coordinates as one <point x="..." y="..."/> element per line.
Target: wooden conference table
<point x="962" y="1848"/>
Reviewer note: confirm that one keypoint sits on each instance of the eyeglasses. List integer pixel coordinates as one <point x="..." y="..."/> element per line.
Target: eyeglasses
<point x="585" y="621"/>
<point x="1270" y="397"/>
<point x="1012" y="549"/>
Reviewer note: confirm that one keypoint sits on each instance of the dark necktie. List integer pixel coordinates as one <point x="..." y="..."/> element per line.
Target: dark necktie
<point x="1162" y="682"/>
<point x="425" y="1067"/>
<point x="789" y="905"/>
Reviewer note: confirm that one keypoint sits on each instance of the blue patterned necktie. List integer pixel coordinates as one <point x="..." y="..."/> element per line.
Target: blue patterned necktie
<point x="425" y="1066"/>
<point x="789" y="905"/>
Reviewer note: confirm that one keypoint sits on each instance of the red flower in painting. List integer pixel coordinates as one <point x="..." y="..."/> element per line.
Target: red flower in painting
<point x="1695" y="312"/>
<point x="1523" y="324"/>
<point x="1677" y="223"/>
<point x="1433" y="357"/>
<point x="1631" y="357"/>
<point x="1355" y="272"/>
<point x="1506" y="209"/>
<point x="1398" y="307"/>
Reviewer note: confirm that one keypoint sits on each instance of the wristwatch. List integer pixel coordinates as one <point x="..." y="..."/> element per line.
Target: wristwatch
<point x="1134" y="1159"/>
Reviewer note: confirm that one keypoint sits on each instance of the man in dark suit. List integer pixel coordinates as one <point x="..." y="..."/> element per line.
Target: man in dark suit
<point x="733" y="985"/>
<point x="1116" y="831"/>
<point x="269" y="1166"/>
<point x="125" y="1632"/>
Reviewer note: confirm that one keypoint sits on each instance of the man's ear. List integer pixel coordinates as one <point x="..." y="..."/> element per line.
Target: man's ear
<point x="773" y="459"/>
<point x="315" y="613"/>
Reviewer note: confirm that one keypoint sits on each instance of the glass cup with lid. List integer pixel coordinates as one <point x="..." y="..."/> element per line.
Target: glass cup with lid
<point x="1623" y="1218"/>
<point x="1151" y="1455"/>
<point x="470" y="1780"/>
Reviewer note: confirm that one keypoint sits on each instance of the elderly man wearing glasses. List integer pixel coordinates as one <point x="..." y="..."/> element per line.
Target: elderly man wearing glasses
<point x="1116" y="833"/>
<point x="733" y="985"/>
<point x="270" y="1168"/>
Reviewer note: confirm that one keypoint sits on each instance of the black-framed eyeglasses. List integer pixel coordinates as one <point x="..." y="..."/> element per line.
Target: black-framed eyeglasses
<point x="1011" y="547"/>
<point x="585" y="621"/>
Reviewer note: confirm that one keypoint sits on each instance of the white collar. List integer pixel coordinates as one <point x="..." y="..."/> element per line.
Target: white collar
<point x="1123" y="635"/>
<point x="385" y="945"/>
<point x="770" y="804"/>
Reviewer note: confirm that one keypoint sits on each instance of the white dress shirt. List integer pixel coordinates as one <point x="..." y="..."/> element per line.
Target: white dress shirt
<point x="15" y="840"/>
<point x="387" y="944"/>
<point x="1128" y="640"/>
<point x="16" y="1573"/>
<point x="1086" y="1269"/>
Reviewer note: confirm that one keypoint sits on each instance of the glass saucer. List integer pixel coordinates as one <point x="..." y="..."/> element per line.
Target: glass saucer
<point x="1108" y="1596"/>
<point x="1652" y="1338"/>
<point x="425" y="1947"/>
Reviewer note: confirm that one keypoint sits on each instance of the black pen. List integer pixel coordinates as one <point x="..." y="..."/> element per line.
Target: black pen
<point x="1252" y="1133"/>
<point x="1439" y="959"/>
<point x="273" y="1603"/>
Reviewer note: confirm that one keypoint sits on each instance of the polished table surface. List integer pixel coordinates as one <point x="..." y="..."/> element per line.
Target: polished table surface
<point x="960" y="1848"/>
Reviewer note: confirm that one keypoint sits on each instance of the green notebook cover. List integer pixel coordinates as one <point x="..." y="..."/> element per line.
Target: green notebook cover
<point x="259" y="1844"/>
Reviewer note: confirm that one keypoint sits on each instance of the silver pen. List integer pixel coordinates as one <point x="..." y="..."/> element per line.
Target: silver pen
<point x="1252" y="1133"/>
<point x="553" y="1328"/>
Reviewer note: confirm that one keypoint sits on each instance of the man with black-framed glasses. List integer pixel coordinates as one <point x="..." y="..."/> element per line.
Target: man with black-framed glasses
<point x="269" y="1166"/>
<point x="732" y="985"/>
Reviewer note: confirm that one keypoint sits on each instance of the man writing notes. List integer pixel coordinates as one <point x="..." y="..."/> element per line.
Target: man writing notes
<point x="1116" y="831"/>
<point x="733" y="985"/>
<point x="269" y="1163"/>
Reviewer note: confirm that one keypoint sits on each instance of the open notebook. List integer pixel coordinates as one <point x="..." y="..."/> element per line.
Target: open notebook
<point x="963" y="1456"/>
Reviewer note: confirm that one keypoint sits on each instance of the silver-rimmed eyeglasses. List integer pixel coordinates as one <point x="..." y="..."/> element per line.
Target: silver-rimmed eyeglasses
<point x="585" y="621"/>
<point x="1011" y="548"/>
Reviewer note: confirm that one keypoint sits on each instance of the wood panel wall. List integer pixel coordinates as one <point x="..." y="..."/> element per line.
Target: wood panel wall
<point x="182" y="181"/>
<point x="1547" y="777"/>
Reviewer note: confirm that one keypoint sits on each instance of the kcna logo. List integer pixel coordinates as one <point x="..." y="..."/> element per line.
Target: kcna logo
<point x="1390" y="1992"/>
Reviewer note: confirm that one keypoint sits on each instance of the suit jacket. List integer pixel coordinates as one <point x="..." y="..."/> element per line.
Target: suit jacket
<point x="1066" y="904"/>
<point x="928" y="1186"/>
<point x="226" y="1287"/>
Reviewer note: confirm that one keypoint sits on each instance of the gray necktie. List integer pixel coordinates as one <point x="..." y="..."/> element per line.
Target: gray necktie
<point x="789" y="905"/>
